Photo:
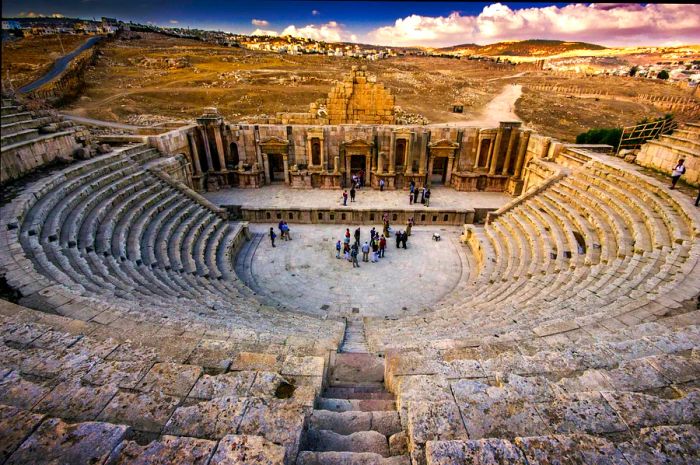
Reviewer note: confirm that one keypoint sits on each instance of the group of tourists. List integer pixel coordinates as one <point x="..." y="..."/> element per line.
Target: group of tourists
<point x="413" y="194"/>
<point x="284" y="232"/>
<point x="373" y="249"/>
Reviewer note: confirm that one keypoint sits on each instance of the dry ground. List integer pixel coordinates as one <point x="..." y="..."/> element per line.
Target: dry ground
<point x="155" y="77"/>
<point x="26" y="59"/>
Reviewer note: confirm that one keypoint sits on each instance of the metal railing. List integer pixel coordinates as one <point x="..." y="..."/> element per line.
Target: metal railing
<point x="634" y="136"/>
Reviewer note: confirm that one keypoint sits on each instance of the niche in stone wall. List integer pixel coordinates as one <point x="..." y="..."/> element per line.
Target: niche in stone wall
<point x="232" y="159"/>
<point x="315" y="151"/>
<point x="400" y="151"/>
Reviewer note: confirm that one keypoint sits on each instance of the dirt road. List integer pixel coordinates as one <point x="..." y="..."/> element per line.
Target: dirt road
<point x="501" y="108"/>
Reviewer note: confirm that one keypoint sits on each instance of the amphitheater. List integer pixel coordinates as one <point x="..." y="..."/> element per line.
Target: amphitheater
<point x="148" y="320"/>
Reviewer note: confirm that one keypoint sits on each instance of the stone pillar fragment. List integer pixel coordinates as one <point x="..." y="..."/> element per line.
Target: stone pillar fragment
<point x="522" y="151"/>
<point x="220" y="147"/>
<point x="195" y="154"/>
<point x="496" y="149"/>
<point x="207" y="149"/>
<point x="509" y="150"/>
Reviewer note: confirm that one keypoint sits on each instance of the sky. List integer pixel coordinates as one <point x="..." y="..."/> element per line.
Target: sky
<point x="400" y="23"/>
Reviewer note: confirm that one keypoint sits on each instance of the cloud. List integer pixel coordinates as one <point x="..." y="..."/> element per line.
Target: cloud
<point x="608" y="24"/>
<point x="315" y="12"/>
<point x="260" y="22"/>
<point x="262" y="32"/>
<point x="174" y="21"/>
<point x="329" y="32"/>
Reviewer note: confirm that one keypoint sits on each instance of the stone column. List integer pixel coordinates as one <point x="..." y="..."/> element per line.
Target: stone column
<point x="421" y="166"/>
<point x="220" y="147"/>
<point x="368" y="167"/>
<point x="409" y="157"/>
<point x="496" y="149"/>
<point x="511" y="142"/>
<point x="479" y="140"/>
<point x="285" y="160"/>
<point x="266" y="168"/>
<point x="450" y="165"/>
<point x="195" y="154"/>
<point x="207" y="149"/>
<point x="380" y="164"/>
<point x="430" y="170"/>
<point x="522" y="151"/>
<point x="336" y="164"/>
<point x="392" y="154"/>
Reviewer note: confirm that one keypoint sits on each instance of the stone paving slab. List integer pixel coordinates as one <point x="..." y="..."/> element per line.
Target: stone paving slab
<point x="280" y="196"/>
<point x="304" y="272"/>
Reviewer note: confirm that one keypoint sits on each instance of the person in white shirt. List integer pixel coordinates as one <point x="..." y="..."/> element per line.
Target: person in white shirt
<point x="678" y="171"/>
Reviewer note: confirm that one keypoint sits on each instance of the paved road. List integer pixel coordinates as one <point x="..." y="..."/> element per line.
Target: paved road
<point x="59" y="66"/>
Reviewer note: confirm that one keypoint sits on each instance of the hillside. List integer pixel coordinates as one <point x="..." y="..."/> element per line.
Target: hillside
<point x="533" y="47"/>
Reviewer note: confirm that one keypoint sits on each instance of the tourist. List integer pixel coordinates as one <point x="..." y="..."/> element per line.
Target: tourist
<point x="338" y="247"/>
<point x="365" y="252"/>
<point x="382" y="246"/>
<point x="415" y="195"/>
<point x="353" y="254"/>
<point x="678" y="171"/>
<point x="352" y="193"/>
<point x="375" y="251"/>
<point x="272" y="236"/>
<point x="409" y="225"/>
<point x="345" y="198"/>
<point x="346" y="251"/>
<point x="285" y="229"/>
<point x="412" y="186"/>
<point x="398" y="239"/>
<point x="427" y="198"/>
<point x="361" y="178"/>
<point x="404" y="238"/>
<point x="381" y="185"/>
<point x="357" y="237"/>
<point x="410" y="198"/>
<point x="347" y="236"/>
<point x="422" y="195"/>
<point x="279" y="226"/>
<point x="372" y="233"/>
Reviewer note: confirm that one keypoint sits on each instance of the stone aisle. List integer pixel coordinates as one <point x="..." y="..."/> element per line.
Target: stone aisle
<point x="355" y="421"/>
<point x="354" y="340"/>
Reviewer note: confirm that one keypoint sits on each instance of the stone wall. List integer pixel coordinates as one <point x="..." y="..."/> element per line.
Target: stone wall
<point x="26" y="157"/>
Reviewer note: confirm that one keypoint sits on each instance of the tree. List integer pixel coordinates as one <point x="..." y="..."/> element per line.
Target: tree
<point x="663" y="74"/>
<point x="633" y="70"/>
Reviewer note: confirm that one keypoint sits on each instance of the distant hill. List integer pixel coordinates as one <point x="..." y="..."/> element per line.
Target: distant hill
<point x="532" y="47"/>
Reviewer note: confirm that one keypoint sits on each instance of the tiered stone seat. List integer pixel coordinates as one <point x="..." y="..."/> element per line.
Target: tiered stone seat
<point x="68" y="394"/>
<point x="664" y="152"/>
<point x="110" y="232"/>
<point x="30" y="139"/>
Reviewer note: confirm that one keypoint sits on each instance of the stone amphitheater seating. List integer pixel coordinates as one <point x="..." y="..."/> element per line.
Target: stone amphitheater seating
<point x="577" y="335"/>
<point x="575" y="340"/>
<point x="31" y="139"/>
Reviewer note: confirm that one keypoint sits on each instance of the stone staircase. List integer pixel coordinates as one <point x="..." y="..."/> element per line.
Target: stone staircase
<point x="355" y="421"/>
<point x="663" y="153"/>
<point x="354" y="340"/>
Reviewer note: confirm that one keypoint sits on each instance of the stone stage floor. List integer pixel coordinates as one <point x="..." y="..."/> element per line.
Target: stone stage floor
<point x="304" y="273"/>
<point x="280" y="196"/>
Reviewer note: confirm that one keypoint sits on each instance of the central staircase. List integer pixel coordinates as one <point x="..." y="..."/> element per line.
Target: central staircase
<point x="355" y="421"/>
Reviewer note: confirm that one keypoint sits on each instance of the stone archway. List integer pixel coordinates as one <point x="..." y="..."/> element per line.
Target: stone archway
<point x="275" y="146"/>
<point x="357" y="148"/>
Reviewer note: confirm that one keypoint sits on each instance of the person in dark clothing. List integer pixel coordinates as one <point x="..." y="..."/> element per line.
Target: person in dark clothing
<point x="272" y="236"/>
<point x="427" y="198"/>
<point x="352" y="193"/>
<point x="404" y="238"/>
<point x="422" y="195"/>
<point x="357" y="236"/>
<point x="398" y="239"/>
<point x="415" y="195"/>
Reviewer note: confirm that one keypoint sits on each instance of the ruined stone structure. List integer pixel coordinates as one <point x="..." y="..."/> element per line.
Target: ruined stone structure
<point x="572" y="335"/>
<point x="663" y="153"/>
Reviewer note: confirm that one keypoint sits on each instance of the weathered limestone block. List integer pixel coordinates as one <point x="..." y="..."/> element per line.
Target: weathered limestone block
<point x="255" y="361"/>
<point x="166" y="450"/>
<point x="584" y="412"/>
<point x="58" y="442"/>
<point x="248" y="450"/>
<point x="483" y="451"/>
<point x="15" y="425"/>
<point x="146" y="411"/>
<point x="429" y="421"/>
<point x="76" y="401"/>
<point x="234" y="384"/>
<point x="664" y="444"/>
<point x="302" y="366"/>
<point x="20" y="392"/>
<point x="210" y="419"/>
<point x="170" y="378"/>
<point x="125" y="374"/>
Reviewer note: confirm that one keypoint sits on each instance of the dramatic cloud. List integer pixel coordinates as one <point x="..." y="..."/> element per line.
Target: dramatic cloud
<point x="262" y="32"/>
<point x="607" y="24"/>
<point x="260" y="23"/>
<point x="329" y="32"/>
<point x="174" y="21"/>
<point x="32" y="14"/>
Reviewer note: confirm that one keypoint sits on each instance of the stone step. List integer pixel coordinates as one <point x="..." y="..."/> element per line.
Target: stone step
<point x="352" y="393"/>
<point x="361" y="441"/>
<point x="384" y="422"/>
<point x="16" y="117"/>
<point x="357" y="368"/>
<point x="361" y="405"/>
<point x="349" y="458"/>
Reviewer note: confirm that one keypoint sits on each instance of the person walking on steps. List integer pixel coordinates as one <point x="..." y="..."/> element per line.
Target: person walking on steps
<point x="272" y="236"/>
<point x="352" y="193"/>
<point x="678" y="171"/>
